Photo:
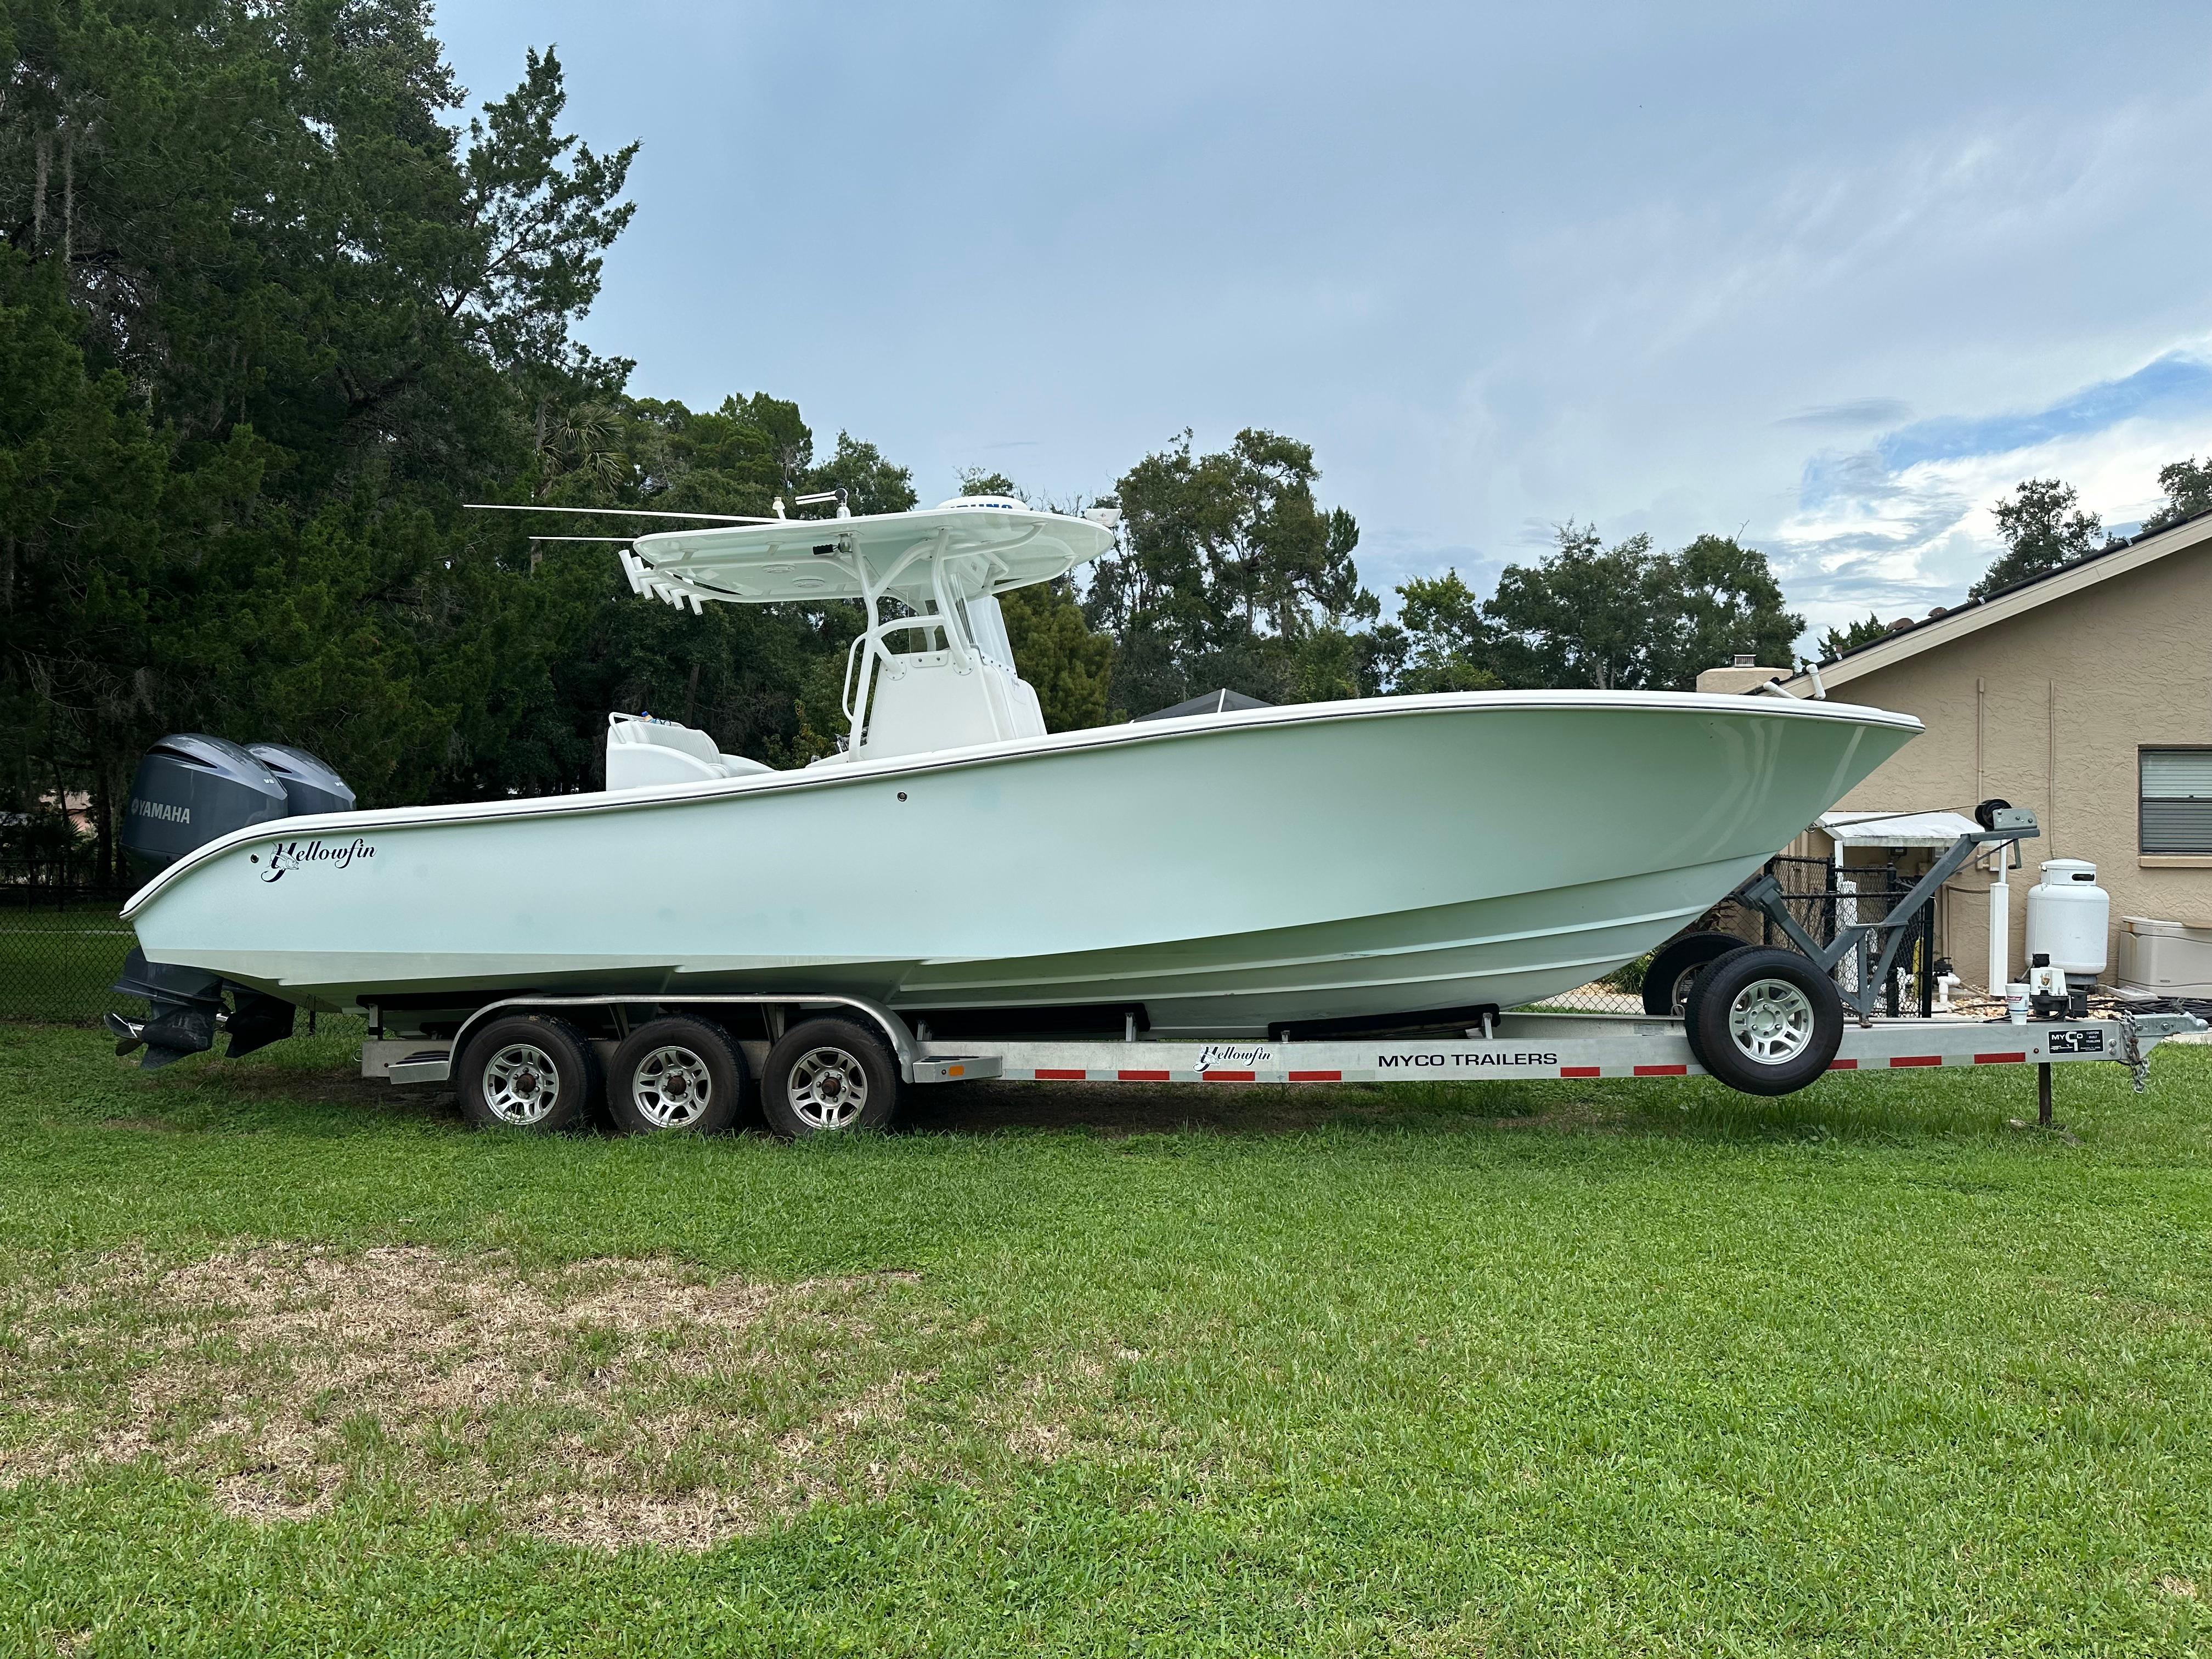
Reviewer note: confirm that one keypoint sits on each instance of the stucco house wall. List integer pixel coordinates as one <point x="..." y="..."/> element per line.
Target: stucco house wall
<point x="2047" y="707"/>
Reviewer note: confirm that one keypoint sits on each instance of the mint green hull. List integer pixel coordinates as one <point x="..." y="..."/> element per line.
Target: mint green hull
<point x="1226" y="872"/>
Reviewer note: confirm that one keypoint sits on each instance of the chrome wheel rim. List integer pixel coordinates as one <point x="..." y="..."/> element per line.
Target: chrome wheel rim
<point x="521" y="1083"/>
<point x="1771" y="1021"/>
<point x="829" y="1088"/>
<point x="671" y="1087"/>
<point x="1680" y="997"/>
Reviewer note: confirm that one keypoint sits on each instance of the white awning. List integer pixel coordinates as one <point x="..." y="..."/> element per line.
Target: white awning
<point x="1895" y="828"/>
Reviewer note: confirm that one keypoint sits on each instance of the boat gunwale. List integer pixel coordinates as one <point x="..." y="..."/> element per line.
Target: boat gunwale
<point x="1179" y="728"/>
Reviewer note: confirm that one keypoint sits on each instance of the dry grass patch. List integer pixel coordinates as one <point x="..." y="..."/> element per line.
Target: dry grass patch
<point x="605" y="1402"/>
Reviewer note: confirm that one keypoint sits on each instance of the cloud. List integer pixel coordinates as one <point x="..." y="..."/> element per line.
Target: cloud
<point x="2175" y="383"/>
<point x="1903" y="524"/>
<point x="1860" y="413"/>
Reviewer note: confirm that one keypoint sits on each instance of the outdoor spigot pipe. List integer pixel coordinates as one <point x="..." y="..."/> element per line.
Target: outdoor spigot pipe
<point x="2000" y="928"/>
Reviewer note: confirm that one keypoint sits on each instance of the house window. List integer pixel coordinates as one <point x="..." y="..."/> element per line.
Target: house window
<point x="2176" y="814"/>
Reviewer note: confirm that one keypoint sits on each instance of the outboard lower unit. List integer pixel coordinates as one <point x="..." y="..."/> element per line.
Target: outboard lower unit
<point x="192" y="789"/>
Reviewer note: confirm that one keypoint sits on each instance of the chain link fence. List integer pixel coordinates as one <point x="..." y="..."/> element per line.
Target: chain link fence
<point x="61" y="939"/>
<point x="60" y="947"/>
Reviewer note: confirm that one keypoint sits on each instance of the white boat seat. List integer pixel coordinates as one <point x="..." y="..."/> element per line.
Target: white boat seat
<point x="643" y="752"/>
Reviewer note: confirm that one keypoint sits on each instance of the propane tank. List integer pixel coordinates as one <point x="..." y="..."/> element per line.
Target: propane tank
<point x="2068" y="917"/>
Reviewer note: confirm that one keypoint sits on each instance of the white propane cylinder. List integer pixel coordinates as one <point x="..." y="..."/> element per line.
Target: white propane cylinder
<point x="2068" y="917"/>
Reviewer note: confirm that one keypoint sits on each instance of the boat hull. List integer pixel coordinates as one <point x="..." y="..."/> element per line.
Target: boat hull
<point x="1226" y="872"/>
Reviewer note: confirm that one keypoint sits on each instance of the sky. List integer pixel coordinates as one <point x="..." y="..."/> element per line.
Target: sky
<point x="1832" y="280"/>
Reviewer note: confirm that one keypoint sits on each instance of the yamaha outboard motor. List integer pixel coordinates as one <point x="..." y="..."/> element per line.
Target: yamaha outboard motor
<point x="309" y="784"/>
<point x="192" y="789"/>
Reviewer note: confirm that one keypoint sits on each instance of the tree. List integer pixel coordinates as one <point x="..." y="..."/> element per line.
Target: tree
<point x="975" y="481"/>
<point x="2188" y="487"/>
<point x="554" y="653"/>
<point x="2043" y="527"/>
<point x="83" y="481"/>
<point x="1728" y="603"/>
<point x="269" y="312"/>
<point x="1449" y="642"/>
<point x="1588" y="615"/>
<point x="1071" y="667"/>
<point x="1629" y="617"/>
<point x="870" y="483"/>
<point x="316" y="318"/>
<point x="1836" y="641"/>
<point x="1229" y="573"/>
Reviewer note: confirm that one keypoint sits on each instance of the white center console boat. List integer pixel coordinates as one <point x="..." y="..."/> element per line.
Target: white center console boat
<point x="1209" y="876"/>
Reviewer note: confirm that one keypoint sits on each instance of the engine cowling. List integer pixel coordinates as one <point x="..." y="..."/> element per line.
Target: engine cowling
<point x="191" y="789"/>
<point x="310" y="785"/>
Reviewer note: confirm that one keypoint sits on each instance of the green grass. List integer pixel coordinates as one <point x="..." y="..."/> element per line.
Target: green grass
<point x="1487" y="1369"/>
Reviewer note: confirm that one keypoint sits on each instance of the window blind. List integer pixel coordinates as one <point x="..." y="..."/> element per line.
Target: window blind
<point x="2176" y="815"/>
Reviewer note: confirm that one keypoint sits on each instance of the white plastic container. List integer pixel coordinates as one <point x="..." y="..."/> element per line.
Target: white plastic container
<point x="2169" y="957"/>
<point x="2068" y="917"/>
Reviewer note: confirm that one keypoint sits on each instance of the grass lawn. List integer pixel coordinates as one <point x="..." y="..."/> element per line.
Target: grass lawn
<point x="292" y="1363"/>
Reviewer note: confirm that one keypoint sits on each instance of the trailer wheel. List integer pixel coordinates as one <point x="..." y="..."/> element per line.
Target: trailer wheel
<point x="529" y="1071"/>
<point x="827" y="1075"/>
<point x="1766" y="1022"/>
<point x="1675" y="966"/>
<point x="680" y="1074"/>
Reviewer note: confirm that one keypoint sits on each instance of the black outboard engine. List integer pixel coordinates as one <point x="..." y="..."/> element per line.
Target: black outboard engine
<point x="192" y="789"/>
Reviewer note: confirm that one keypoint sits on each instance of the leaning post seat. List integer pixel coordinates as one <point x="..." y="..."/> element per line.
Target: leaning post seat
<point x="643" y="752"/>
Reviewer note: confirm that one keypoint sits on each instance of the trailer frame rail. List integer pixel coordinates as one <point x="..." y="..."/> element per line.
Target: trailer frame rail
<point x="1527" y="1047"/>
<point x="1552" y="1047"/>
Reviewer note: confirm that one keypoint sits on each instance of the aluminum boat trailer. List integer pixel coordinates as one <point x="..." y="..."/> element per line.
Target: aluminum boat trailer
<point x="830" y="1063"/>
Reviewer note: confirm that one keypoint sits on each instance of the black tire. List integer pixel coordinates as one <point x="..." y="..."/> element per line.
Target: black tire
<point x="679" y="1075"/>
<point x="826" y="1076"/>
<point x="529" y="1071"/>
<point x="1764" y="1022"/>
<point x="1675" y="966"/>
<point x="1689" y="1013"/>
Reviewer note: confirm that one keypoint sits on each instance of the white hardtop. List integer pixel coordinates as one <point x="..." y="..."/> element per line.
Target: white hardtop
<point x="988" y="544"/>
<point x="938" y="574"/>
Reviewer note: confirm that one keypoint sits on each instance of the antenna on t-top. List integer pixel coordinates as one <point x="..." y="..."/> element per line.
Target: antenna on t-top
<point x="617" y="511"/>
<point x="820" y="497"/>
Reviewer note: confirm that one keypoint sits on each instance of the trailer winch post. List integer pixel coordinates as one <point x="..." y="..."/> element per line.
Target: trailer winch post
<point x="2008" y="826"/>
